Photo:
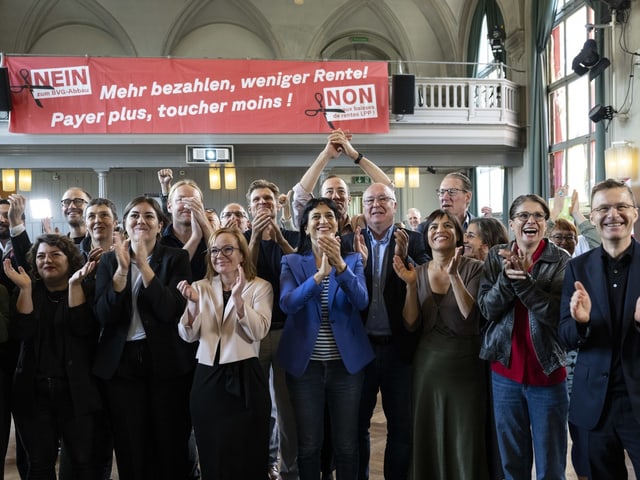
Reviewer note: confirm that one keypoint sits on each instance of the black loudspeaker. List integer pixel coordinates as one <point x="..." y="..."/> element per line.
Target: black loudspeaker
<point x="403" y="94"/>
<point x="5" y="90"/>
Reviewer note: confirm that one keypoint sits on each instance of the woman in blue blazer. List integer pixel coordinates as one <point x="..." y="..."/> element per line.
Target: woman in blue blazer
<point x="324" y="345"/>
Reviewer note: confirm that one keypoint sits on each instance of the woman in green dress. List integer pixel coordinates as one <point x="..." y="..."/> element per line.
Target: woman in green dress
<point x="449" y="383"/>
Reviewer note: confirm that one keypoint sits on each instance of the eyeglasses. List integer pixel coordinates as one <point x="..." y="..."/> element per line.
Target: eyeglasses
<point x="226" y="251"/>
<point x="78" y="202"/>
<point x="620" y="208"/>
<point x="524" y="216"/>
<point x="381" y="199"/>
<point x="452" y="192"/>
<point x="236" y="213"/>
<point x="556" y="237"/>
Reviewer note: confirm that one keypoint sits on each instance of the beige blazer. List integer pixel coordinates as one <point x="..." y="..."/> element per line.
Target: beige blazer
<point x="239" y="339"/>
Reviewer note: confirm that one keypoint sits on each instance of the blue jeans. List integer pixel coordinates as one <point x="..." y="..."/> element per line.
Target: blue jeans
<point x="531" y="419"/>
<point x="393" y="377"/>
<point x="328" y="381"/>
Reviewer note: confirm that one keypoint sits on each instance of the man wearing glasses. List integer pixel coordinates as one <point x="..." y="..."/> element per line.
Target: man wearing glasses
<point x="390" y="373"/>
<point x="234" y="215"/>
<point x="73" y="203"/>
<point x="455" y="196"/>
<point x="600" y="313"/>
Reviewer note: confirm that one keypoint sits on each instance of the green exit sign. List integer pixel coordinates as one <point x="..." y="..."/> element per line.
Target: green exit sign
<point x="361" y="180"/>
<point x="360" y="39"/>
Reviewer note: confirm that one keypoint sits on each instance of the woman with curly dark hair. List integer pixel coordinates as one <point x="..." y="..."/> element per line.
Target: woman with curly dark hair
<point x="54" y="394"/>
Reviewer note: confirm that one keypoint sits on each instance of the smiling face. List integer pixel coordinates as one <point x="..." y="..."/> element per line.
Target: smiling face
<point x="615" y="223"/>
<point x="100" y="222"/>
<point x="225" y="254"/>
<point x="413" y="218"/>
<point x="74" y="201"/>
<point x="379" y="204"/>
<point x="322" y="222"/>
<point x="263" y="200"/>
<point x="528" y="232"/>
<point x="52" y="264"/>
<point x="142" y="223"/>
<point x="563" y="238"/>
<point x="474" y="245"/>
<point x="441" y="234"/>
<point x="336" y="189"/>
<point x="457" y="203"/>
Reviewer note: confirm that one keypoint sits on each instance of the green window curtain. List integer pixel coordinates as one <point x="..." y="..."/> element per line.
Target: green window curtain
<point x="542" y="17"/>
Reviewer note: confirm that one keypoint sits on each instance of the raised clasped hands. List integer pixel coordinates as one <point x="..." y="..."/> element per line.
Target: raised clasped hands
<point x="330" y="246"/>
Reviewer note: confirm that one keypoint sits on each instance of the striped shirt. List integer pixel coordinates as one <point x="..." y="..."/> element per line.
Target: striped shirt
<point x="325" y="347"/>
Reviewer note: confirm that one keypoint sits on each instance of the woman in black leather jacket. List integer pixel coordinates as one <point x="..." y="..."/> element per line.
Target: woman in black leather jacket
<point x="520" y="297"/>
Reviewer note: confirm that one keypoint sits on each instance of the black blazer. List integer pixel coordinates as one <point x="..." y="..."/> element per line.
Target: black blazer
<point x="160" y="306"/>
<point x="591" y="375"/>
<point x="395" y="289"/>
<point x="80" y="340"/>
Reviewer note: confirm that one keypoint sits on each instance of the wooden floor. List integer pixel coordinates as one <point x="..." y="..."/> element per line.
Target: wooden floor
<point x="378" y="439"/>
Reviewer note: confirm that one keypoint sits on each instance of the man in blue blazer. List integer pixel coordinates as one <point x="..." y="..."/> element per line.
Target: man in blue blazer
<point x="390" y="372"/>
<point x="601" y="316"/>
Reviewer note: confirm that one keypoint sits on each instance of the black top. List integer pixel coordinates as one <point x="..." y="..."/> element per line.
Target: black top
<point x="268" y="268"/>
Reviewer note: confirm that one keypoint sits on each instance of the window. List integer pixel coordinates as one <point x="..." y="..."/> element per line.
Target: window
<point x="489" y="185"/>
<point x="571" y="133"/>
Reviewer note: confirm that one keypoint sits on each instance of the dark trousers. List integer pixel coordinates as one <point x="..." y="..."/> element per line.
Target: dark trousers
<point x="150" y="419"/>
<point x="51" y="420"/>
<point x="617" y="431"/>
<point x="392" y="376"/>
<point x="8" y="357"/>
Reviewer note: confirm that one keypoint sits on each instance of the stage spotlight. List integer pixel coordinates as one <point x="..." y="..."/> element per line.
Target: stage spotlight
<point x="599" y="112"/>
<point x="588" y="60"/>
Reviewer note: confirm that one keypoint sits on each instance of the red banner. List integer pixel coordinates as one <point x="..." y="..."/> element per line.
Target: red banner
<point x="159" y="95"/>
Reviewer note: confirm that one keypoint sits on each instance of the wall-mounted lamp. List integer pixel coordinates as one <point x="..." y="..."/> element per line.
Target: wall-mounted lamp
<point x="230" y="178"/>
<point x="599" y="112"/>
<point x="214" y="178"/>
<point x="8" y="179"/>
<point x="398" y="177"/>
<point x="414" y="177"/>
<point x="24" y="179"/>
<point x="621" y="161"/>
<point x="589" y="60"/>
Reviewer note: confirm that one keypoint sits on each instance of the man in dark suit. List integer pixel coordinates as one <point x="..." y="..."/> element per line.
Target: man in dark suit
<point x="601" y="316"/>
<point x="390" y="372"/>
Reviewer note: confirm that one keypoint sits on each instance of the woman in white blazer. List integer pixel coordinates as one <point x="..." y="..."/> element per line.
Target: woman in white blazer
<point x="229" y="312"/>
